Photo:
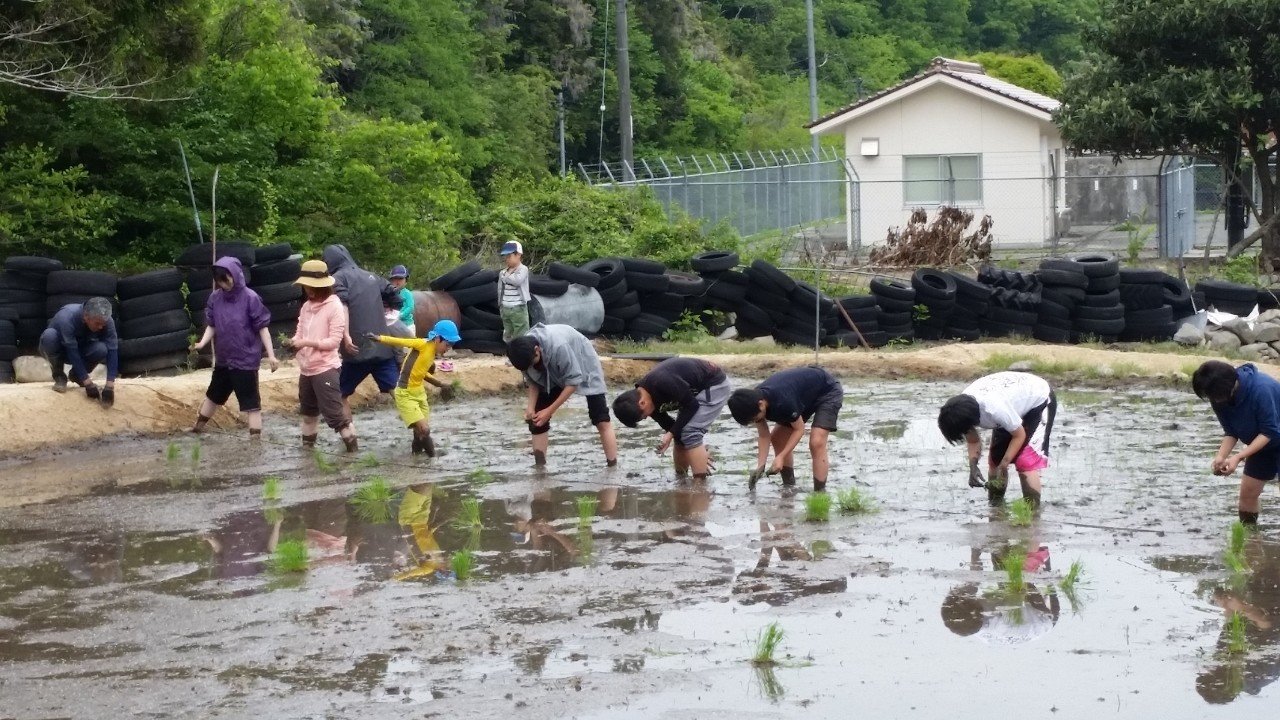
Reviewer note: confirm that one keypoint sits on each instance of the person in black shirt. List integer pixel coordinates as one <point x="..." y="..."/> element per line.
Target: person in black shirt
<point x="788" y="399"/>
<point x="696" y="389"/>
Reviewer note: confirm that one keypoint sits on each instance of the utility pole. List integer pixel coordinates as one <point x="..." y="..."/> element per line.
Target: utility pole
<point x="624" y="92"/>
<point x="813" y="74"/>
<point x="560" y="117"/>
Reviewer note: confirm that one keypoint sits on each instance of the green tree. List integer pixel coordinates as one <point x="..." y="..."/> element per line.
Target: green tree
<point x="45" y="211"/>
<point x="1027" y="71"/>
<point x="1173" y="76"/>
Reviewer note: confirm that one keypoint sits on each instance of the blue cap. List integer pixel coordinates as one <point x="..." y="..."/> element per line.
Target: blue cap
<point x="445" y="329"/>
<point x="512" y="247"/>
<point x="399" y="271"/>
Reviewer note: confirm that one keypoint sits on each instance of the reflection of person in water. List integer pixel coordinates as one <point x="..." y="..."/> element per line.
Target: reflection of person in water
<point x="991" y="614"/>
<point x="423" y="554"/>
<point x="1259" y="605"/>
<point x="531" y="522"/>
<point x="98" y="560"/>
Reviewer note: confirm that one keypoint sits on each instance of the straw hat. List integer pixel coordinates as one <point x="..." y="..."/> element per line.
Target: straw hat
<point x="315" y="273"/>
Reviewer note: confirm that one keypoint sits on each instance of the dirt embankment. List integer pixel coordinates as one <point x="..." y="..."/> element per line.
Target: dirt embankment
<point x="32" y="416"/>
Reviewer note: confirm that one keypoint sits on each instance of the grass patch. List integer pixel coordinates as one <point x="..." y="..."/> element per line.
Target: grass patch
<point x="586" y="509"/>
<point x="462" y="562"/>
<point x="1021" y="512"/>
<point x="1013" y="562"/>
<point x="469" y="514"/>
<point x="290" y="556"/>
<point x="271" y="488"/>
<point x="852" y="501"/>
<point x="372" y="500"/>
<point x="817" y="507"/>
<point x="1237" y="643"/>
<point x="767" y="643"/>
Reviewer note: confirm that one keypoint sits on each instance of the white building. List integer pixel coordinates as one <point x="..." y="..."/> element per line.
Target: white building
<point x="952" y="136"/>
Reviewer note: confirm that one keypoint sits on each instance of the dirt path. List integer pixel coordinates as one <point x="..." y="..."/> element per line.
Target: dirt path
<point x="33" y="417"/>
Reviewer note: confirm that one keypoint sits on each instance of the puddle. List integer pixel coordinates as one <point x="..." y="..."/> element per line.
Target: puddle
<point x="148" y="586"/>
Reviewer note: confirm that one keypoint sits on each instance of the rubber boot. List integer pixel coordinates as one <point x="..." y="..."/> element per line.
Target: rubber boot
<point x="1032" y="497"/>
<point x="819" y="485"/>
<point x="428" y="445"/>
<point x="611" y="463"/>
<point x="201" y="421"/>
<point x="539" y="457"/>
<point x="59" y="381"/>
<point x="352" y="444"/>
<point x="995" y="496"/>
<point x="255" y="434"/>
<point x="417" y="444"/>
<point x="788" y="477"/>
<point x="1249" y="519"/>
<point x="309" y="440"/>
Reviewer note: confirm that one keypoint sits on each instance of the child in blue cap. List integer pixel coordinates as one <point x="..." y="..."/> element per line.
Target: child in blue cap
<point x="399" y="279"/>
<point x="410" y="394"/>
<point x="513" y="292"/>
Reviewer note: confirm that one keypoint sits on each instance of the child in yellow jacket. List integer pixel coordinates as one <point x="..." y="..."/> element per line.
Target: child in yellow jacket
<point x="410" y="394"/>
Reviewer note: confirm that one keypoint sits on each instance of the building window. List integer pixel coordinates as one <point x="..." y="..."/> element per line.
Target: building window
<point x="942" y="179"/>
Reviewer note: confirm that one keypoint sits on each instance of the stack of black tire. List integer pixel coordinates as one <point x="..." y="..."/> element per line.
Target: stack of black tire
<point x="935" y="302"/>
<point x="973" y="303"/>
<point x="724" y="288"/>
<point x="8" y="346"/>
<point x="274" y="276"/>
<point x="475" y="290"/>
<point x="22" y="301"/>
<point x="812" y="315"/>
<point x="1063" y="288"/>
<point x="1179" y="297"/>
<point x="763" y="311"/>
<point x="653" y="293"/>
<point x="1101" y="314"/>
<point x="1146" y="315"/>
<point x="896" y="302"/>
<point x="1228" y="297"/>
<point x="862" y="310"/>
<point x="1014" y="304"/>
<point x="154" y="327"/>
<point x="620" y="304"/>
<point x="66" y="287"/>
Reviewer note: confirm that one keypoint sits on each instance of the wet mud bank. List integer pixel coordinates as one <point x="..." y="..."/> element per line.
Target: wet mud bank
<point x="151" y="582"/>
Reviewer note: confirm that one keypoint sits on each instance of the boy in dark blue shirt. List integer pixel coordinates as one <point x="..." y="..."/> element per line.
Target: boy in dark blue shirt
<point x="1247" y="404"/>
<point x="788" y="399"/>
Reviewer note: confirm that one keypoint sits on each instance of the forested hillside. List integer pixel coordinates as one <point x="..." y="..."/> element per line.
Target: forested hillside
<point x="413" y="130"/>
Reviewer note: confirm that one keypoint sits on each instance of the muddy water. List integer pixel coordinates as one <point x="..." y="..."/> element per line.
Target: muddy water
<point x="136" y="577"/>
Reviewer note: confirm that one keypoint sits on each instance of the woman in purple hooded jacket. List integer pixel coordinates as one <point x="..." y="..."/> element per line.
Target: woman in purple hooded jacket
<point x="236" y="322"/>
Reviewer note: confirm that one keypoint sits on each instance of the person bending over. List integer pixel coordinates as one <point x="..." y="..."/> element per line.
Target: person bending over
<point x="696" y="390"/>
<point x="1247" y="403"/>
<point x="788" y="399"/>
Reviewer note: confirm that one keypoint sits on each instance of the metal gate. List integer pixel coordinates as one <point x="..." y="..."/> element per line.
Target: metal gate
<point x="1177" y="207"/>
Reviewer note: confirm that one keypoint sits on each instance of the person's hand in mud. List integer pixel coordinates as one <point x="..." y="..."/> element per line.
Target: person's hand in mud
<point x="447" y="393"/>
<point x="999" y="476"/>
<point x="664" y="443"/>
<point x="107" y="397"/>
<point x="779" y="463"/>
<point x="91" y="390"/>
<point x="975" y="475"/>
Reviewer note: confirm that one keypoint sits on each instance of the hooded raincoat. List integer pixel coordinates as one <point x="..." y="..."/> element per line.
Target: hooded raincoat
<point x="237" y="316"/>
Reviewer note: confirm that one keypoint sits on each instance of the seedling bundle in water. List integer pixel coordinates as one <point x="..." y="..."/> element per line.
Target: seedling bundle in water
<point x="851" y="501"/>
<point x="372" y="500"/>
<point x="1237" y="643"/>
<point x="1021" y="512"/>
<point x="462" y="562"/>
<point x="271" y="488"/>
<point x="767" y="643"/>
<point x="322" y="460"/>
<point x="1013" y="562"/>
<point x="290" y="556"/>
<point x="173" y="452"/>
<point x="586" y="509"/>
<point x="369" y="460"/>
<point x="469" y="514"/>
<point x="817" y="507"/>
<point x="480" y="475"/>
<point x="1234" y="555"/>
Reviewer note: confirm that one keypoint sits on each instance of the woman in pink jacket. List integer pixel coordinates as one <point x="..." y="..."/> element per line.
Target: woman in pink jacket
<point x="322" y="326"/>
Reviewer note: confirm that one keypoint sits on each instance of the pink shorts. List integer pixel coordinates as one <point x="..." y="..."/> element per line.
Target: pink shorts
<point x="1029" y="460"/>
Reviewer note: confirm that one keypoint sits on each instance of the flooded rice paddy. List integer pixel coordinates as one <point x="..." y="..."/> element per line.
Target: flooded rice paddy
<point x="141" y="581"/>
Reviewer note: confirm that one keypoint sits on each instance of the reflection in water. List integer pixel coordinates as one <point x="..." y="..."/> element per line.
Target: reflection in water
<point x="1258" y="602"/>
<point x="770" y="686"/>
<point x="777" y="538"/>
<point x="997" y="614"/>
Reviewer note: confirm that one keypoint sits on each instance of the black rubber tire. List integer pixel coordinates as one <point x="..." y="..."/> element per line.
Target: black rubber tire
<point x="162" y="323"/>
<point x="731" y="293"/>
<point x="1097" y="265"/>
<point x="201" y="254"/>
<point x="149" y="283"/>
<point x="23" y="282"/>
<point x="610" y="271"/>
<point x="753" y="315"/>
<point x="1106" y="312"/>
<point x="569" y="273"/>
<point x="626" y="312"/>
<point x="1055" y="322"/>
<point x="1068" y="296"/>
<point x="81" y="282"/>
<point x="858" y="316"/>
<point x="6" y="373"/>
<point x="1106" y="299"/>
<point x="1062" y="278"/>
<point x="480" y="277"/>
<point x="1176" y="292"/>
<point x="1050" y="309"/>
<point x="686" y="284"/>
<point x="660" y="303"/>
<point x="968" y="288"/>
<point x="8" y="335"/>
<point x="285" y="311"/>
<point x="612" y="325"/>
<point x="797" y="336"/>
<point x="477" y="295"/>
<point x="170" y="363"/>
<point x="1062" y="265"/>
<point x="1230" y="306"/>
<point x="486" y="335"/>
<point x="613" y="293"/>
<point x="546" y="286"/>
<point x="32" y="264"/>
<point x="893" y="289"/>
<point x="197" y="279"/>
<point x="714" y="261"/>
<point x="993" y="328"/>
<point x="281" y="293"/>
<point x="147" y="305"/>
<point x="1158" y="316"/>
<point x="1268" y="298"/>
<point x="648" y="324"/>
<point x="895" y="305"/>
<point x="1148" y="333"/>
<point x="276" y="273"/>
<point x="1231" y="292"/>
<point x="482" y="318"/>
<point x="647" y="282"/>
<point x="962" y="334"/>
<point x="1141" y="297"/>
<point x="10" y="314"/>
<point x="1011" y="316"/>
<point x="1047" y="333"/>
<point x="732" y="277"/>
<point x="1098" y="326"/>
<point x="857" y="302"/>
<point x="771" y="277"/>
<point x="134" y="348"/>
<point x="1141" y="276"/>
<point x="747" y="330"/>
<point x="30" y="309"/>
<point x="933" y="284"/>
<point x="893" y="319"/>
<point x="8" y="351"/>
<point x="456" y="275"/>
<point x="643" y="266"/>
<point x="29" y="329"/>
<point x="272" y="253"/>
<point x="21" y="297"/>
<point x="807" y="296"/>
<point x="197" y="300"/>
<point x="1103" y="283"/>
<point x="482" y="346"/>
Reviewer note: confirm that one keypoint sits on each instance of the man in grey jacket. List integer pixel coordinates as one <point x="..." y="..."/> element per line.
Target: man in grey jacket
<point x="558" y="361"/>
<point x="361" y="291"/>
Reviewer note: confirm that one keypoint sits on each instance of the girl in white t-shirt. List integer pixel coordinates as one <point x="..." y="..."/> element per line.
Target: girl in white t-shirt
<point x="1018" y="408"/>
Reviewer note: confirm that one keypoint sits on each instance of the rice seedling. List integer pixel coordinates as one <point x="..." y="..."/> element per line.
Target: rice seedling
<point x="480" y="476"/>
<point x="173" y="451"/>
<point x="290" y="556"/>
<point x="322" y="461"/>
<point x="372" y="500"/>
<point x="1237" y="643"/>
<point x="817" y="507"/>
<point x="819" y="549"/>
<point x="1021" y="512"/>
<point x="1014" y="560"/>
<point x="271" y="488"/>
<point x="369" y="460"/>
<point x="469" y="514"/>
<point x="586" y="544"/>
<point x="195" y="454"/>
<point x="1074" y="574"/>
<point x="462" y="563"/>
<point x="770" y="686"/>
<point x="1238" y="534"/>
<point x="767" y="643"/>
<point x="1234" y="555"/>
<point x="586" y="509"/>
<point x="852" y="501"/>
